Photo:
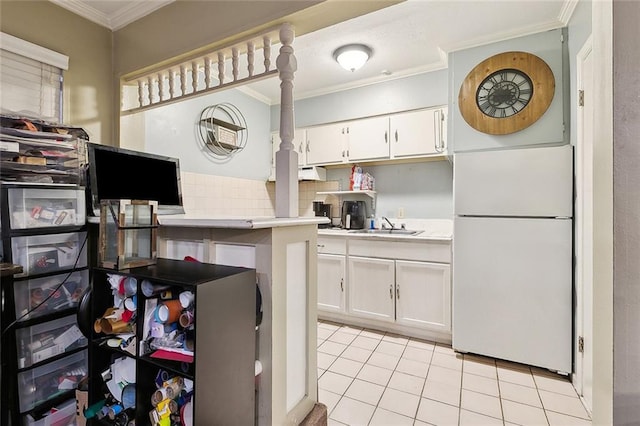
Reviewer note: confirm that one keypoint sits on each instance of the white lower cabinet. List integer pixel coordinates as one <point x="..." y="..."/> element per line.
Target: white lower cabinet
<point x="332" y="261"/>
<point x="371" y="288"/>
<point x="423" y="295"/>
<point x="331" y="276"/>
<point x="409" y="293"/>
<point x="394" y="285"/>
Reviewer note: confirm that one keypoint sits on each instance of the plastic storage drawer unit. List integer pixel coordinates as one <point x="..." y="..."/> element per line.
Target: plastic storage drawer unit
<point x="43" y="341"/>
<point x="37" y="207"/>
<point x="62" y="415"/>
<point x="43" y="254"/>
<point x="41" y="384"/>
<point x="30" y="295"/>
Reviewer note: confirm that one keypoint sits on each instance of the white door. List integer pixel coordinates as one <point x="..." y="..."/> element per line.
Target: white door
<point x="415" y="133"/>
<point x="368" y="139"/>
<point x="371" y="288"/>
<point x="331" y="275"/>
<point x="584" y="229"/>
<point x="423" y="295"/>
<point x="512" y="289"/>
<point x="325" y="144"/>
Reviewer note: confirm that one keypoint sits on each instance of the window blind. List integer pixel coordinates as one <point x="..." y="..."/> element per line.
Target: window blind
<point x="30" y="80"/>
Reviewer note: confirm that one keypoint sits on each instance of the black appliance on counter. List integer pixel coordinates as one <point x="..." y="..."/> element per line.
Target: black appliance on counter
<point x="354" y="214"/>
<point x="323" y="210"/>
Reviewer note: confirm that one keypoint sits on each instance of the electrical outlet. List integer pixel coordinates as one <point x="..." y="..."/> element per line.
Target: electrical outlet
<point x="400" y="214"/>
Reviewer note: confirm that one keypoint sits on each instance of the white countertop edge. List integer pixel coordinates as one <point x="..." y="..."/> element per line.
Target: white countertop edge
<point x="237" y="222"/>
<point x="354" y="235"/>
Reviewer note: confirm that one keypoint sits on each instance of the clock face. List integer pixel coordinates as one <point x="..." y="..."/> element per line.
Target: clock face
<point x="504" y="93"/>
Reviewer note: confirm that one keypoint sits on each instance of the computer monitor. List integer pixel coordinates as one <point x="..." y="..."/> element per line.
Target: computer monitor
<point x="118" y="173"/>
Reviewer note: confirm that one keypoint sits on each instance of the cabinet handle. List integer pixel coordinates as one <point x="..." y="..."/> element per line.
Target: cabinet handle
<point x="342" y="285"/>
<point x="386" y="137"/>
<point x="308" y="147"/>
<point x="439" y="122"/>
<point x="397" y="292"/>
<point x="396" y="136"/>
<point x="436" y="141"/>
<point x="442" y="141"/>
<point x="320" y="245"/>
<point x="390" y="291"/>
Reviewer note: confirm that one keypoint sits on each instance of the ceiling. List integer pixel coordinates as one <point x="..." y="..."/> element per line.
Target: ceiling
<point x="407" y="38"/>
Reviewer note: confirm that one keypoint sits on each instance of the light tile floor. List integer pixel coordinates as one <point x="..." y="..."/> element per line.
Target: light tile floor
<point x="367" y="377"/>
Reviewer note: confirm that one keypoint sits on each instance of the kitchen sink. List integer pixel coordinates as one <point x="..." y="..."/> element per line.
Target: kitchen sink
<point x="385" y="231"/>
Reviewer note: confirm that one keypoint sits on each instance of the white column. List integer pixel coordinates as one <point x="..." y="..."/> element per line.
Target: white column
<point x="286" y="157"/>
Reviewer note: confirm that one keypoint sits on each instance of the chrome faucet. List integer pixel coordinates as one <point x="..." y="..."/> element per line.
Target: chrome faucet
<point x="389" y="222"/>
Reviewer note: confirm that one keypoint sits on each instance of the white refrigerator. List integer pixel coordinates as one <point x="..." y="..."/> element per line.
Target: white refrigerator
<point x="512" y="255"/>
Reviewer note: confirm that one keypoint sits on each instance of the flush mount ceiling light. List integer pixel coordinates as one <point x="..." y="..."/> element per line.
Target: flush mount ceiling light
<point x="352" y="56"/>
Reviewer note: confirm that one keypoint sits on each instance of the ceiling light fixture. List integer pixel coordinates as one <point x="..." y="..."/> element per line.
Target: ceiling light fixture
<point x="352" y="56"/>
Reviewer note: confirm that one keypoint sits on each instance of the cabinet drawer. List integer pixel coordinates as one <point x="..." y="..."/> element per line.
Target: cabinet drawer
<point x="38" y="207"/>
<point x="63" y="414"/>
<point x="50" y="380"/>
<point x="431" y="251"/>
<point x="43" y="341"/>
<point x="42" y="254"/>
<point x="332" y="245"/>
<point x="31" y="293"/>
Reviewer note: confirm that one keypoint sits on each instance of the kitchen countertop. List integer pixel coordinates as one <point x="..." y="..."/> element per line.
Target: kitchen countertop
<point x="431" y="229"/>
<point x="236" y="222"/>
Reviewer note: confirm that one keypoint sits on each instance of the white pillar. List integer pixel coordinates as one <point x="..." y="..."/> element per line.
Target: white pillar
<point x="286" y="157"/>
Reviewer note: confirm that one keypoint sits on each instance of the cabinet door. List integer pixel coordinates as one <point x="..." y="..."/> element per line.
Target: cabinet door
<point x="371" y="288"/>
<point x="331" y="274"/>
<point x="299" y="144"/>
<point x="325" y="144"/>
<point x="423" y="295"/>
<point x="368" y="139"/>
<point x="417" y="133"/>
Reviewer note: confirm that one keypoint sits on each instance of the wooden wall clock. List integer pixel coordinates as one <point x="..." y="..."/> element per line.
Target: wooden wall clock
<point x="506" y="93"/>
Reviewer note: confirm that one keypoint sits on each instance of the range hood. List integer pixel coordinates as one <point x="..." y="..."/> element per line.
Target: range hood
<point x="312" y="173"/>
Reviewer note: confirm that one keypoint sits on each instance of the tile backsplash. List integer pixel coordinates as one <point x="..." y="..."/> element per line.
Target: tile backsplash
<point x="229" y="196"/>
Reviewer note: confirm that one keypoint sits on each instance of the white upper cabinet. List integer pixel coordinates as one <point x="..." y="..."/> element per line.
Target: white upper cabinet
<point x="326" y="144"/>
<point x="299" y="144"/>
<point x="368" y="139"/>
<point x="418" y="133"/>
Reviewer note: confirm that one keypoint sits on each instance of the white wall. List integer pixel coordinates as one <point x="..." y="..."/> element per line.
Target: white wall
<point x="422" y="190"/>
<point x="172" y="130"/>
<point x="414" y="92"/>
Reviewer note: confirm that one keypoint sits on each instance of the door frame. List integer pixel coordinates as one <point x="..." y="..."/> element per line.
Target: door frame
<point x="583" y="233"/>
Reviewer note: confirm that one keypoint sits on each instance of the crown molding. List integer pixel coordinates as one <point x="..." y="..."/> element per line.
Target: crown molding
<point x="134" y="11"/>
<point x="84" y="10"/>
<point x="120" y="18"/>
<point x="567" y="10"/>
<point x="507" y="35"/>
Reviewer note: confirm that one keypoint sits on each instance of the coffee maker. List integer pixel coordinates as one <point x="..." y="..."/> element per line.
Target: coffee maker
<point x="322" y="209"/>
<point x="354" y="214"/>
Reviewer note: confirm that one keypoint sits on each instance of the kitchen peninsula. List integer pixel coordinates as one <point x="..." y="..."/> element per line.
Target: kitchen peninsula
<point x="283" y="252"/>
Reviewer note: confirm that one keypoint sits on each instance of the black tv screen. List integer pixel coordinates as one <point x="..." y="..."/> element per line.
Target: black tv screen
<point x="123" y="174"/>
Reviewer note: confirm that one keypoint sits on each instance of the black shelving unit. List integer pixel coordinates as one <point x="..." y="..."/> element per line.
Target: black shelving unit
<point x="215" y="373"/>
<point x="44" y="355"/>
